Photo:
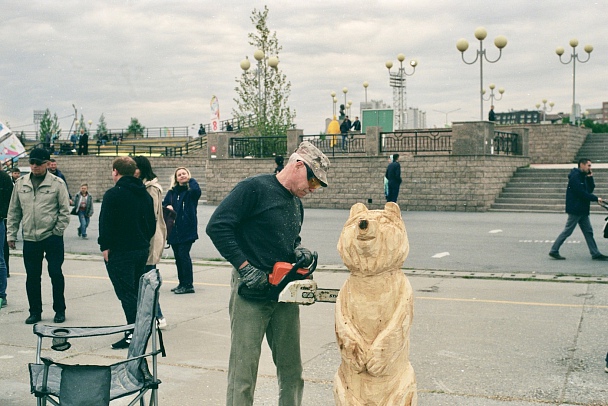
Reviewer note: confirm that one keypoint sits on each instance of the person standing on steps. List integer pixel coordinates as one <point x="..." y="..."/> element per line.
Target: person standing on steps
<point x="183" y="199"/>
<point x="578" y="197"/>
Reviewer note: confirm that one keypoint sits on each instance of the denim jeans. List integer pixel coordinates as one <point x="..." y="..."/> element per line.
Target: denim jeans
<point x="583" y="221"/>
<point x="183" y="263"/>
<point x="2" y="262"/>
<point x="124" y="269"/>
<point x="33" y="254"/>
<point x="84" y="223"/>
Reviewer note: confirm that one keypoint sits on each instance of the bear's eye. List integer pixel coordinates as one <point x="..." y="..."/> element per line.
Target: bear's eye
<point x="363" y="224"/>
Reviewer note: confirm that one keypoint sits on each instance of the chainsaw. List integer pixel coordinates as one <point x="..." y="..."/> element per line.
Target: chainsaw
<point x="291" y="284"/>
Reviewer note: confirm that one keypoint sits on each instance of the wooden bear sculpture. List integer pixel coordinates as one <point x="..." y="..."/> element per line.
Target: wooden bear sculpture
<point x="374" y="312"/>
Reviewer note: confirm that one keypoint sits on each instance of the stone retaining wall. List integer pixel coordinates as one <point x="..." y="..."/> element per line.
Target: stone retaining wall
<point x="430" y="183"/>
<point x="97" y="171"/>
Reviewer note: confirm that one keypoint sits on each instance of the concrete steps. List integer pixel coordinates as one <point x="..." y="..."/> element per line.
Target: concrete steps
<point x="594" y="148"/>
<point x="544" y="190"/>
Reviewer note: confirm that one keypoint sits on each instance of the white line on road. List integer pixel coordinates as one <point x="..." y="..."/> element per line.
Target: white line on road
<point x="495" y="231"/>
<point x="441" y="255"/>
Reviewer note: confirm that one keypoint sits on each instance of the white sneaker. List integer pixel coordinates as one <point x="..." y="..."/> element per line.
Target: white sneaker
<point x="162" y="323"/>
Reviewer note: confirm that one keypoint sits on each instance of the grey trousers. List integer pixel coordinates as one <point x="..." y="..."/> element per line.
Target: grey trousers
<point x="249" y="322"/>
<point x="585" y="224"/>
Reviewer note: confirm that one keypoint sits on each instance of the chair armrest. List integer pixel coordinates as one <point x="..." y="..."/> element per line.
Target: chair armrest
<point x="43" y="330"/>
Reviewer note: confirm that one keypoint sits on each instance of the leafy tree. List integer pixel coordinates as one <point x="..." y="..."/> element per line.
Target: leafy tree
<point x="82" y="126"/>
<point x="46" y="125"/>
<point x="135" y="128"/>
<point x="600" y="128"/>
<point x="263" y="91"/>
<point x="49" y="127"/>
<point x="102" y="128"/>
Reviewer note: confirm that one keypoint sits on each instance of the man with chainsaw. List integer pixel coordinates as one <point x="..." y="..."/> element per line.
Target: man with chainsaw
<point x="257" y="225"/>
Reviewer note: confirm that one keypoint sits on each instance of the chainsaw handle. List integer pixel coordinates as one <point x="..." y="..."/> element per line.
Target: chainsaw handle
<point x="313" y="266"/>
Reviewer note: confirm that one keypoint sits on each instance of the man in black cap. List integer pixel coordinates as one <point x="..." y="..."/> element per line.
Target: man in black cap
<point x="40" y="203"/>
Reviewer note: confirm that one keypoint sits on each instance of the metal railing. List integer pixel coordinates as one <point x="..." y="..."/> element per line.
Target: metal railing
<point x="505" y="143"/>
<point x="336" y="144"/>
<point x="152" y="132"/>
<point x="416" y="141"/>
<point x="257" y="147"/>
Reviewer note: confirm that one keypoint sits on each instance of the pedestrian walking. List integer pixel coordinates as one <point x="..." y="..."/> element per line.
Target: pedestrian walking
<point x="83" y="208"/>
<point x="183" y="199"/>
<point x="255" y="226"/>
<point x="578" y="197"/>
<point x="40" y="203"/>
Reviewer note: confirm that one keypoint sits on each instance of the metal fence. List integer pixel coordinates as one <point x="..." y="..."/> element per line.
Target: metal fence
<point x="416" y="141"/>
<point x="336" y="145"/>
<point x="505" y="143"/>
<point x="257" y="147"/>
<point x="152" y="132"/>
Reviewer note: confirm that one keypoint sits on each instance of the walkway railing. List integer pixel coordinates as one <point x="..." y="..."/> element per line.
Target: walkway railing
<point x="336" y="145"/>
<point x="257" y="147"/>
<point x="505" y="143"/>
<point x="416" y="141"/>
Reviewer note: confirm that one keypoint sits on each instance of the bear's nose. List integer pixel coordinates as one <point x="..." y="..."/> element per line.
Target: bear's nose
<point x="363" y="224"/>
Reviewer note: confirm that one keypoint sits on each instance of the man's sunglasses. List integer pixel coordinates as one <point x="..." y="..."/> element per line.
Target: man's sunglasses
<point x="313" y="181"/>
<point x="37" y="162"/>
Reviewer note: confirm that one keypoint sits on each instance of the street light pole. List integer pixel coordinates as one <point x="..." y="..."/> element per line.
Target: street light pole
<point x="492" y="96"/>
<point x="446" y="114"/>
<point x="573" y="58"/>
<point x="365" y="85"/>
<point x="462" y="45"/>
<point x="544" y="109"/>
<point x="334" y="99"/>
<point x="273" y="62"/>
<point x="397" y="82"/>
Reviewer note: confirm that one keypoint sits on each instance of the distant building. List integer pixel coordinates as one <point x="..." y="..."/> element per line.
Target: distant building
<point x="519" y="117"/>
<point x="415" y="119"/>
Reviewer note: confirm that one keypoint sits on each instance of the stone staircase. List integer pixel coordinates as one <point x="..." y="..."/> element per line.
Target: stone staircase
<point x="594" y="148"/>
<point x="544" y="190"/>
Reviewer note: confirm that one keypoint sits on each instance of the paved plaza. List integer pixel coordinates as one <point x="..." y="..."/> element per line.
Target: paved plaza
<point x="484" y="333"/>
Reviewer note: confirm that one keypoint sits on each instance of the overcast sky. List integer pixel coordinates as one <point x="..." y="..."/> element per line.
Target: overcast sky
<point x="161" y="61"/>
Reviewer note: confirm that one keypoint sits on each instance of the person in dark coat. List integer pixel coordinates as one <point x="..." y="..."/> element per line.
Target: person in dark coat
<point x="578" y="196"/>
<point x="491" y="114"/>
<point x="183" y="199"/>
<point x="344" y="127"/>
<point x="126" y="225"/>
<point x="393" y="175"/>
<point x="83" y="143"/>
<point x="6" y="190"/>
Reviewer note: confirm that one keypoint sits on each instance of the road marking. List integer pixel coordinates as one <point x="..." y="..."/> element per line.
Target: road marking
<point x="510" y="302"/>
<point x="495" y="231"/>
<point x="549" y="241"/>
<point x="441" y="255"/>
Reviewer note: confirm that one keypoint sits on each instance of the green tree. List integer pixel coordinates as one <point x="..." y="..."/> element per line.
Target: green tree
<point x="135" y="128"/>
<point x="82" y="125"/>
<point x="55" y="127"/>
<point x="47" y="126"/>
<point x="102" y="128"/>
<point x="263" y="91"/>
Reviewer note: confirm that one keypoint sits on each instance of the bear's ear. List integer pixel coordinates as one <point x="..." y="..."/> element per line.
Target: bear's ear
<point x="392" y="208"/>
<point x="357" y="208"/>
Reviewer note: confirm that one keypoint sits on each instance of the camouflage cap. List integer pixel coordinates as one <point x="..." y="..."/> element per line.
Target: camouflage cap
<point x="314" y="158"/>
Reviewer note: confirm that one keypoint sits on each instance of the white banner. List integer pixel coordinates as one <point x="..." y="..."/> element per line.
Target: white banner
<point x="10" y="148"/>
<point x="215" y="114"/>
<point x="4" y="130"/>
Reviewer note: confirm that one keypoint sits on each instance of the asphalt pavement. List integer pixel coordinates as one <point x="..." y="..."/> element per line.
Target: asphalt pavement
<point x="497" y="322"/>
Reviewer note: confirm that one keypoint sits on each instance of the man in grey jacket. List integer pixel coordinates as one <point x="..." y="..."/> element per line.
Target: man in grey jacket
<point x="40" y="203"/>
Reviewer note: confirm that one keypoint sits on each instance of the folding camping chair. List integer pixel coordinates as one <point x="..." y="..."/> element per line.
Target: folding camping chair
<point x="80" y="385"/>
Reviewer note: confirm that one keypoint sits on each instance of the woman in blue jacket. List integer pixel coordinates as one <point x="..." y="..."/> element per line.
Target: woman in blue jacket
<point x="183" y="199"/>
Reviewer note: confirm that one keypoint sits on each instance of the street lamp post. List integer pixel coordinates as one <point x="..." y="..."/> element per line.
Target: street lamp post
<point x="573" y="58"/>
<point x="544" y="109"/>
<point x="365" y="85"/>
<point x="462" y="45"/>
<point x="446" y="115"/>
<point x="397" y="82"/>
<point x="273" y="62"/>
<point x="349" y="104"/>
<point x="334" y="99"/>
<point x="492" y="96"/>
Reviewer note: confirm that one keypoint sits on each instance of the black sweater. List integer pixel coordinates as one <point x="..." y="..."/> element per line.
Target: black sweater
<point x="258" y="221"/>
<point x="126" y="219"/>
